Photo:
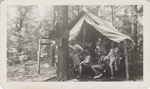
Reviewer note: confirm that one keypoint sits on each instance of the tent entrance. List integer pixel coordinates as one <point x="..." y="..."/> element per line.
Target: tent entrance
<point x="87" y="34"/>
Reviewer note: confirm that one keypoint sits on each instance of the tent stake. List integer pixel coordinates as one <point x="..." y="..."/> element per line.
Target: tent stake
<point x="126" y="60"/>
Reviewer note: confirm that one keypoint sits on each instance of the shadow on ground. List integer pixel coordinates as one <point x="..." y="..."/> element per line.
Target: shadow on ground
<point x="119" y="77"/>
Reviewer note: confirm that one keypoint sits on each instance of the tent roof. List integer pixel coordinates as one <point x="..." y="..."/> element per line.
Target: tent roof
<point x="93" y="24"/>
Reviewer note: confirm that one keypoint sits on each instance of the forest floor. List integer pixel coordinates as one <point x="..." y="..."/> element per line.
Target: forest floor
<point x="27" y="72"/>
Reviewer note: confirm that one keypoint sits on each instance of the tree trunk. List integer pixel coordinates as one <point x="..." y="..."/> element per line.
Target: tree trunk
<point x="51" y="47"/>
<point x="63" y="51"/>
<point x="54" y="17"/>
<point x="134" y="33"/>
<point x="113" y="15"/>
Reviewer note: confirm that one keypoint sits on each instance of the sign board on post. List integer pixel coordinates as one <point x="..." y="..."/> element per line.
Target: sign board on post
<point x="64" y="34"/>
<point x="52" y="34"/>
<point x="58" y="42"/>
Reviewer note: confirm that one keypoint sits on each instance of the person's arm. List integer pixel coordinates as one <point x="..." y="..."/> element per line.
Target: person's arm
<point x="109" y="54"/>
<point x="80" y="48"/>
<point x="71" y="47"/>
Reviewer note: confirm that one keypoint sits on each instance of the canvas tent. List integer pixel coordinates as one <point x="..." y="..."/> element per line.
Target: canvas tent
<point x="86" y="23"/>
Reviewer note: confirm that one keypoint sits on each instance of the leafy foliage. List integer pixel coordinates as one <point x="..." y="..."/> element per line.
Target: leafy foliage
<point x="25" y="22"/>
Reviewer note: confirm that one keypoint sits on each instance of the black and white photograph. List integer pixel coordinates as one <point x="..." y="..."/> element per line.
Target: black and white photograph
<point x="81" y="42"/>
<point x="75" y="43"/>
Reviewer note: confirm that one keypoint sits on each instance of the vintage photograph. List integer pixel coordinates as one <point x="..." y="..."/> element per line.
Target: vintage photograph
<point x="74" y="43"/>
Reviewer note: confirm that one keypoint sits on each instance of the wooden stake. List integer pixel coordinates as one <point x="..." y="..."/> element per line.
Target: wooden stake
<point x="126" y="60"/>
<point x="51" y="56"/>
<point x="38" y="57"/>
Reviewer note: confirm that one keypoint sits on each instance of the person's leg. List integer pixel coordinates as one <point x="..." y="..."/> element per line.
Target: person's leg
<point x="112" y="59"/>
<point x="79" y="70"/>
<point x="116" y="66"/>
<point x="76" y="59"/>
<point x="119" y="61"/>
<point x="94" y="69"/>
<point x="99" y="74"/>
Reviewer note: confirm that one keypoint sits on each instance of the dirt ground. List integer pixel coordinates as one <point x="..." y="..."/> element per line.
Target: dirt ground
<point x="28" y="73"/>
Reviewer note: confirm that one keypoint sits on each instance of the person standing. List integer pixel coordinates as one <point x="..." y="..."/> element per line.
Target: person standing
<point x="76" y="52"/>
<point x="113" y="56"/>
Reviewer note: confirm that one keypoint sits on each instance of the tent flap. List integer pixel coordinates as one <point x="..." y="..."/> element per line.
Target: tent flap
<point x="101" y="26"/>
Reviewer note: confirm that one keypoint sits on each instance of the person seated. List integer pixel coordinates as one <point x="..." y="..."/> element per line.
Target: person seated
<point x="86" y="62"/>
<point x="101" y="67"/>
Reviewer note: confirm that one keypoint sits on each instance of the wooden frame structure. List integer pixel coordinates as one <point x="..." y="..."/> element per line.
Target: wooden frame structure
<point x="39" y="52"/>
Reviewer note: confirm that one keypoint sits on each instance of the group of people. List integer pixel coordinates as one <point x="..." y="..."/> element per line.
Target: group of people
<point x="82" y="57"/>
<point x="107" y="60"/>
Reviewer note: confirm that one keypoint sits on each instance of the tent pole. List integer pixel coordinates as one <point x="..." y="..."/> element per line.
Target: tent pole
<point x="126" y="60"/>
<point x="83" y="38"/>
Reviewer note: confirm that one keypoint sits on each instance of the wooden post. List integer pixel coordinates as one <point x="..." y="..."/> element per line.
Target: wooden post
<point x="38" y="55"/>
<point x="126" y="60"/>
<point x="51" y="52"/>
<point x="83" y="38"/>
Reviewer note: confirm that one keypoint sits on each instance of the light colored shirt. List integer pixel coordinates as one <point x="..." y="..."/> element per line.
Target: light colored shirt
<point x="87" y="59"/>
<point x="113" y="52"/>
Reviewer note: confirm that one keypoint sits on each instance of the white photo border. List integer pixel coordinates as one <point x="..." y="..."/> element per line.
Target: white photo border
<point x="76" y="85"/>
